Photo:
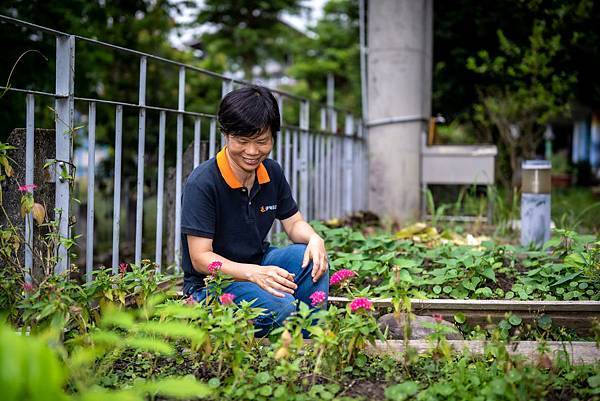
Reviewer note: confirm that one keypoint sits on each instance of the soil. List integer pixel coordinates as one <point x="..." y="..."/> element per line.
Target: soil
<point x="503" y="281"/>
<point x="368" y="389"/>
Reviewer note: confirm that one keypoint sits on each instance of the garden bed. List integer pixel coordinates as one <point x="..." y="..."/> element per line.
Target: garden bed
<point x="448" y="265"/>
<point x="577" y="352"/>
<point x="576" y="315"/>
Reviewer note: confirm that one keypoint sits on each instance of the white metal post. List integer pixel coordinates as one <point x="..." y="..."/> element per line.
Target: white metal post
<point x="117" y="188"/>
<point x="335" y="166"/>
<point x="279" y="150"/>
<point x="139" y="214"/>
<point x="212" y="138"/>
<point x="295" y="165"/>
<point x="226" y="87"/>
<point x="287" y="164"/>
<point x="197" y="136"/>
<point x="179" y="168"/>
<point x="347" y="169"/>
<point x="29" y="178"/>
<point x="311" y="176"/>
<point x="64" y="108"/>
<point x="318" y="176"/>
<point x="303" y="157"/>
<point x="160" y="188"/>
<point x="91" y="177"/>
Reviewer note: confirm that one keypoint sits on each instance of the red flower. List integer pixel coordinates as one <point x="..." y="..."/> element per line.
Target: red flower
<point x="27" y="188"/>
<point x="341" y="276"/>
<point x="123" y="268"/>
<point x="214" y="267"/>
<point x="317" y="298"/>
<point x="227" y="298"/>
<point x="28" y="287"/>
<point x="438" y="318"/>
<point x="360" y="303"/>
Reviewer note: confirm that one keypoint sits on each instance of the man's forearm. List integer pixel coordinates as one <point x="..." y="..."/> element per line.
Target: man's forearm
<point x="238" y="271"/>
<point x="301" y="232"/>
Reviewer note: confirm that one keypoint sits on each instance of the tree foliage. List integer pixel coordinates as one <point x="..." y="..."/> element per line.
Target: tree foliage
<point x="331" y="47"/>
<point x="534" y="93"/>
<point x="248" y="33"/>
<point x="463" y="28"/>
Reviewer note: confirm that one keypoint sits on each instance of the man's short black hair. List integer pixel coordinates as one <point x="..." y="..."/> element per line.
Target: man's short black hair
<point x="248" y="111"/>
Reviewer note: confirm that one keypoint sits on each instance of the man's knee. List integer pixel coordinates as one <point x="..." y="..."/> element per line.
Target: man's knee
<point x="298" y="251"/>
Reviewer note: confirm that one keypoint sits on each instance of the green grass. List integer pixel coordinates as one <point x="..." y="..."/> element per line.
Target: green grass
<point x="575" y="208"/>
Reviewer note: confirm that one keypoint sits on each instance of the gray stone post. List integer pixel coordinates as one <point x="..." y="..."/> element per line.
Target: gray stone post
<point x="399" y="100"/>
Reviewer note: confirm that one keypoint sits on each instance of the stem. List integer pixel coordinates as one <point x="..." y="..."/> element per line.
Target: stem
<point x="318" y="362"/>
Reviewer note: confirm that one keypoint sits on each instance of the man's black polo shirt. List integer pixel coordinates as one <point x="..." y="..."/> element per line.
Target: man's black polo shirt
<point x="215" y="205"/>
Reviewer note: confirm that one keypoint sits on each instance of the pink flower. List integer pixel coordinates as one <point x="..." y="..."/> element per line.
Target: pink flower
<point x="438" y="318"/>
<point x="214" y="267"/>
<point x="360" y="303"/>
<point x="122" y="268"/>
<point x="27" y="188"/>
<point x="227" y="298"/>
<point x="317" y="298"/>
<point x="341" y="276"/>
<point x="28" y="287"/>
<point x="190" y="301"/>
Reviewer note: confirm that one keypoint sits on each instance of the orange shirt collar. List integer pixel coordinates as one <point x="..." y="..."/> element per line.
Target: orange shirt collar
<point x="223" y="164"/>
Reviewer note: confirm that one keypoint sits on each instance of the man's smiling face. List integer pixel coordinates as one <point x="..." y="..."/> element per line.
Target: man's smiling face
<point x="248" y="152"/>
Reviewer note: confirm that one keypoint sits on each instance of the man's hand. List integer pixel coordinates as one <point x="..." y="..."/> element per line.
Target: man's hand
<point x="315" y="251"/>
<point x="273" y="279"/>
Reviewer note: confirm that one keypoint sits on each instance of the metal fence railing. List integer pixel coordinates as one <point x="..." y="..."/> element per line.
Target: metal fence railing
<point x="326" y="167"/>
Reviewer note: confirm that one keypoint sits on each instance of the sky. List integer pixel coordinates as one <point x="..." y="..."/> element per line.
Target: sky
<point x="179" y="38"/>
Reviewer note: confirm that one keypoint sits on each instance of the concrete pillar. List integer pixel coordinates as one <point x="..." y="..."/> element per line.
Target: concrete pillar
<point x="399" y="100"/>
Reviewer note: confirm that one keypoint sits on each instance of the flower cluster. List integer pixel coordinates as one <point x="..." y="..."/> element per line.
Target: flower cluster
<point x="227" y="298"/>
<point x="360" y="303"/>
<point x="340" y="276"/>
<point x="190" y="300"/>
<point x="438" y="318"/>
<point x="27" y="188"/>
<point x="122" y="268"/>
<point x="317" y="298"/>
<point x="214" y="267"/>
<point x="28" y="287"/>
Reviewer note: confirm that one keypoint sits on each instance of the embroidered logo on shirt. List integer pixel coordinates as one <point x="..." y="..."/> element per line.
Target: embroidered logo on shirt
<point x="264" y="209"/>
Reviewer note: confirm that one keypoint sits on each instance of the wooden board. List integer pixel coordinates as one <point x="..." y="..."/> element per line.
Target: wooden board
<point x="576" y="315"/>
<point x="580" y="352"/>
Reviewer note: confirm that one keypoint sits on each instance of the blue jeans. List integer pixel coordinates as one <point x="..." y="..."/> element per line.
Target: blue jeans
<point x="277" y="309"/>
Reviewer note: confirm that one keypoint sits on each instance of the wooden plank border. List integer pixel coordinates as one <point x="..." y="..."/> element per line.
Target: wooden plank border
<point x="488" y="304"/>
<point x="580" y="352"/>
<point x="575" y="315"/>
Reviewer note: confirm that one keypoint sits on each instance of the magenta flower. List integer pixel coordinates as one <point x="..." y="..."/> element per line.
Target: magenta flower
<point x="190" y="301"/>
<point x="317" y="298"/>
<point x="122" y="268"/>
<point x="214" y="267"/>
<point x="438" y="318"/>
<point x="360" y="303"/>
<point x="28" y="287"/>
<point x="27" y="188"/>
<point x="227" y="298"/>
<point x="340" y="276"/>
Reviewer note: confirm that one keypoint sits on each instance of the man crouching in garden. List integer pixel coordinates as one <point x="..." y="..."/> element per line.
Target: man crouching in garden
<point x="229" y="205"/>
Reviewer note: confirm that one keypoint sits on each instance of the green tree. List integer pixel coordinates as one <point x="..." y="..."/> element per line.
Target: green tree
<point x="464" y="27"/>
<point x="332" y="47"/>
<point x="248" y="32"/>
<point x="530" y="90"/>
